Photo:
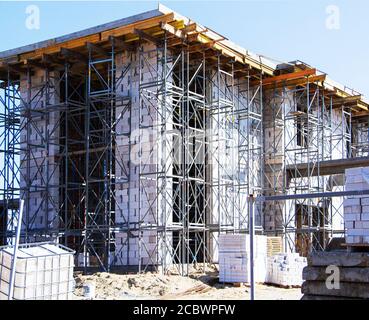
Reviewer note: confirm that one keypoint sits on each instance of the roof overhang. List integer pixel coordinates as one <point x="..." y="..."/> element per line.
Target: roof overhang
<point x="152" y="25"/>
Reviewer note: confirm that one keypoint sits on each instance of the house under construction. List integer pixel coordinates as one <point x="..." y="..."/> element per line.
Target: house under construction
<point x="137" y="142"/>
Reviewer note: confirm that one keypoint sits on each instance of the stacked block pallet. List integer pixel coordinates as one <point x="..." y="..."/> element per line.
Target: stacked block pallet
<point x="234" y="258"/>
<point x="356" y="208"/>
<point x="285" y="270"/>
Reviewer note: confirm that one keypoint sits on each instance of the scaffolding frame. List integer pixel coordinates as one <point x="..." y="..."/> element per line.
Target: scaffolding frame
<point x="306" y="131"/>
<point x="194" y="129"/>
<point x="156" y="193"/>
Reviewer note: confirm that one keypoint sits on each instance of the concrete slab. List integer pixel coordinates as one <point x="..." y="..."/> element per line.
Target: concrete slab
<point x="347" y="289"/>
<point x="340" y="259"/>
<point x="360" y="275"/>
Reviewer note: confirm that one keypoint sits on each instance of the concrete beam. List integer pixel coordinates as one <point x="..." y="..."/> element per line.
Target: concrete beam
<point x="339" y="259"/>
<point x="360" y="275"/>
<point x="347" y="289"/>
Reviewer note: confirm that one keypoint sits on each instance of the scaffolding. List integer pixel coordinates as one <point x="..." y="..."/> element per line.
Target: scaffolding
<point x="306" y="127"/>
<point x="139" y="151"/>
<point x="188" y="111"/>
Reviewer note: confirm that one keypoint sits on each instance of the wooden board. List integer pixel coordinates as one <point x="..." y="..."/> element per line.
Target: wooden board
<point x="274" y="246"/>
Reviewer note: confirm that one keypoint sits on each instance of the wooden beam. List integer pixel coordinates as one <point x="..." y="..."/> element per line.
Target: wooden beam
<point x="96" y="38"/>
<point x="12" y="68"/>
<point x="174" y="42"/>
<point x="200" y="47"/>
<point x="122" y="45"/>
<point x="243" y="69"/>
<point x="56" y="48"/>
<point x="219" y="46"/>
<point x="52" y="59"/>
<point x="354" y="102"/>
<point x="347" y="100"/>
<point x="148" y="37"/>
<point x="37" y="64"/>
<point x="92" y="47"/>
<point x="173" y="31"/>
<point x="362" y="105"/>
<point x="145" y="24"/>
<point x="289" y="76"/>
<point x="294" y="82"/>
<point x="361" y="114"/>
<point x="190" y="28"/>
<point x="73" y="54"/>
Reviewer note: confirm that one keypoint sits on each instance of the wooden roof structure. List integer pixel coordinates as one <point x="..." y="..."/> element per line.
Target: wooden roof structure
<point x="152" y="25"/>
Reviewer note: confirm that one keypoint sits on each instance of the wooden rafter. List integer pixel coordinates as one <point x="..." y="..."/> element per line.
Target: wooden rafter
<point x="146" y="36"/>
<point x="292" y="82"/>
<point x="141" y="25"/>
<point x="46" y="58"/>
<point x="73" y="54"/>
<point x="120" y="44"/>
<point x="287" y="77"/>
<point x="98" y="49"/>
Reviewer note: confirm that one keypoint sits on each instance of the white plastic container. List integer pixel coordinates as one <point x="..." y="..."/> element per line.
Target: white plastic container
<point x="43" y="271"/>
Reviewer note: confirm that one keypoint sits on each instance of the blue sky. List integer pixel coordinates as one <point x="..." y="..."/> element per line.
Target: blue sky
<point x="285" y="30"/>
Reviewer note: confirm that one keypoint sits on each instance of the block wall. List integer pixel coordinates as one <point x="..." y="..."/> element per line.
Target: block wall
<point x="39" y="159"/>
<point x="139" y="149"/>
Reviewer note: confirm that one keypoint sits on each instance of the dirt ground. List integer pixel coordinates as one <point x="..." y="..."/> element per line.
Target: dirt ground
<point x="199" y="286"/>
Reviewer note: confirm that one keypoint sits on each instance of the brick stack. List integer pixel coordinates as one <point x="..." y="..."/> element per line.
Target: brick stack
<point x="234" y="263"/>
<point x="285" y="269"/>
<point x="356" y="208"/>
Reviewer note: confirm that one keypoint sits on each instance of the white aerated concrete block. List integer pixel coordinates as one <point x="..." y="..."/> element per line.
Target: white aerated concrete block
<point x="356" y="208"/>
<point x="234" y="258"/>
<point x="352" y="202"/>
<point x="365" y="216"/>
<point x="286" y="269"/>
<point x="365" y="201"/>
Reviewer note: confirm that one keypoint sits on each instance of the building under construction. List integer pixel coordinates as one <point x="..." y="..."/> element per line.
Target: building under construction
<point x="137" y="142"/>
